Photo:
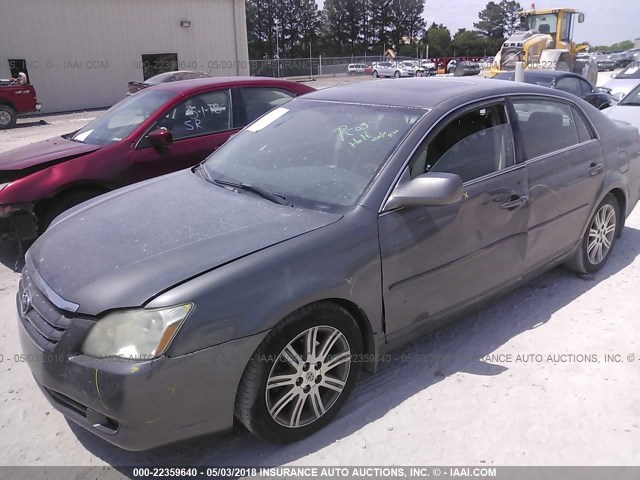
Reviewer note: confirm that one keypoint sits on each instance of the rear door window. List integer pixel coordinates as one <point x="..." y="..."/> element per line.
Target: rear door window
<point x="545" y="126"/>
<point x="570" y="85"/>
<point x="584" y="132"/>
<point x="259" y="100"/>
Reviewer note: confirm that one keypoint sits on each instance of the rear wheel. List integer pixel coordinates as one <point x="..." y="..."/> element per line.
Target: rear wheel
<point x="599" y="239"/>
<point x="301" y="374"/>
<point x="8" y="117"/>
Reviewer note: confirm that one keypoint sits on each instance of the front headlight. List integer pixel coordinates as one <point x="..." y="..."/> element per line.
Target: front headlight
<point x="136" y="334"/>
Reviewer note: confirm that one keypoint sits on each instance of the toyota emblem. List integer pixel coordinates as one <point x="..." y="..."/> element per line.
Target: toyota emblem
<point x="25" y="302"/>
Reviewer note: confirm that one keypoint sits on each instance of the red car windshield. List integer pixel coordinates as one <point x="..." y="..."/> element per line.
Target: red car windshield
<point x="123" y="118"/>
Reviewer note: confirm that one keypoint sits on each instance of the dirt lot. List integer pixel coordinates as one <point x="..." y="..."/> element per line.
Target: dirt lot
<point x="525" y="381"/>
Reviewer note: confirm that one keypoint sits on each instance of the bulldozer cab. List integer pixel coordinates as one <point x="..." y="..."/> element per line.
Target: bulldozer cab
<point x="558" y="23"/>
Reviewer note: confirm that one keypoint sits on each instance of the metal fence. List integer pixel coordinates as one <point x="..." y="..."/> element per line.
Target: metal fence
<point x="325" y="66"/>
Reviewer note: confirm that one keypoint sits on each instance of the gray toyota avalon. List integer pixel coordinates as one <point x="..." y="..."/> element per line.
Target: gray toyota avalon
<point x="257" y="285"/>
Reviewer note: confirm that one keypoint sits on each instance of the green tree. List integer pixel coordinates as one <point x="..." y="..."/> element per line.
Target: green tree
<point x="438" y="38"/>
<point x="491" y="22"/>
<point x="510" y="16"/>
<point x="469" y="43"/>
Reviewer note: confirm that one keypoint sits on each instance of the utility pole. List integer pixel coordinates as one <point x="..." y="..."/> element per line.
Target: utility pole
<point x="278" y="48"/>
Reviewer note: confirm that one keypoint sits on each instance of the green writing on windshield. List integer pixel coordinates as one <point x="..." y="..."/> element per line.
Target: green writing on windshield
<point x="359" y="134"/>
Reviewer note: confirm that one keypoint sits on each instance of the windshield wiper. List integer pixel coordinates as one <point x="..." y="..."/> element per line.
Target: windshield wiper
<point x="266" y="194"/>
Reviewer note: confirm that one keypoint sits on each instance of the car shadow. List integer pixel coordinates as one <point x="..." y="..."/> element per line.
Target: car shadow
<point x="30" y="123"/>
<point x="459" y="347"/>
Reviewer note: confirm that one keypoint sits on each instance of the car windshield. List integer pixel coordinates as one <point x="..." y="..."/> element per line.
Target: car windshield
<point x="123" y="118"/>
<point x="632" y="98"/>
<point x="631" y="72"/>
<point x="316" y="154"/>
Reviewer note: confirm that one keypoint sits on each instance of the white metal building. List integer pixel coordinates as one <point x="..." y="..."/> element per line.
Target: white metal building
<point x="82" y="53"/>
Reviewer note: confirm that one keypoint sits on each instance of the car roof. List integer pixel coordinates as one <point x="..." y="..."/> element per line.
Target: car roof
<point x="421" y="92"/>
<point x="188" y="86"/>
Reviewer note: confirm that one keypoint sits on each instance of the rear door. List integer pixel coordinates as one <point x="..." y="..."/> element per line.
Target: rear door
<point x="438" y="258"/>
<point x="564" y="165"/>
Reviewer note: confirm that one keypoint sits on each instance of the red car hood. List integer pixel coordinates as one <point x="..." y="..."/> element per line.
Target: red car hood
<point x="45" y="153"/>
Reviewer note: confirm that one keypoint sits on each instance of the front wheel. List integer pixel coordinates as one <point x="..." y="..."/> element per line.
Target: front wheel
<point x="397" y="74"/>
<point x="301" y="374"/>
<point x="599" y="239"/>
<point x="8" y="117"/>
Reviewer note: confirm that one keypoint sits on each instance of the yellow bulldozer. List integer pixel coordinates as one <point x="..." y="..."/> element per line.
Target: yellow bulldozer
<point x="544" y="40"/>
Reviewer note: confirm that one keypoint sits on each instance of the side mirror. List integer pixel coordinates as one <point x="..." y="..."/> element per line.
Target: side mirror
<point x="581" y="18"/>
<point x="430" y="189"/>
<point x="160" y="137"/>
<point x="617" y="96"/>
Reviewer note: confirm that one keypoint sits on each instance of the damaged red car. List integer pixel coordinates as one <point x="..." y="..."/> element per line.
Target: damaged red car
<point x="160" y="130"/>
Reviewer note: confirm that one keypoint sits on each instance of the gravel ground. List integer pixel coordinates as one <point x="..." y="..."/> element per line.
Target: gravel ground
<point x="524" y="381"/>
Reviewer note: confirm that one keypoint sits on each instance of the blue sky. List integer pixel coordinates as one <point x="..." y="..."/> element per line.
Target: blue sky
<point x="606" y="22"/>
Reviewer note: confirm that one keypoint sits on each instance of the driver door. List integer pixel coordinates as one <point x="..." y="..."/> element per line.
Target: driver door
<point x="199" y="125"/>
<point x="437" y="258"/>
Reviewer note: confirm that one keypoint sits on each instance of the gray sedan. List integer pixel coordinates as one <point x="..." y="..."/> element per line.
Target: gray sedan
<point x="258" y="285"/>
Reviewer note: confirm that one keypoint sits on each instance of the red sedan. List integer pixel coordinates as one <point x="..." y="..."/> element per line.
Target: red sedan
<point x="161" y="129"/>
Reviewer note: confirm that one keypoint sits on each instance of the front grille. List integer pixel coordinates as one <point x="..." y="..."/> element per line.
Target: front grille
<point x="44" y="322"/>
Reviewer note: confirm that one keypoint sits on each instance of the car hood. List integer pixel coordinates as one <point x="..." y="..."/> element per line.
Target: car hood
<point x="625" y="113"/>
<point x="624" y="85"/>
<point x="43" y="154"/>
<point x="124" y="248"/>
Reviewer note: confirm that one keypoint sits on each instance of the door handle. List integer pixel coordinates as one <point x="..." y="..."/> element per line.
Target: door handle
<point x="515" y="202"/>
<point x="595" y="168"/>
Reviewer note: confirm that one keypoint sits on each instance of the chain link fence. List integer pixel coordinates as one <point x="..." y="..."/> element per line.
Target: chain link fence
<point x="311" y="67"/>
<point x="326" y="66"/>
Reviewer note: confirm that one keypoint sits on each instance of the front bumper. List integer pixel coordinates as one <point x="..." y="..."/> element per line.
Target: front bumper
<point x="136" y="405"/>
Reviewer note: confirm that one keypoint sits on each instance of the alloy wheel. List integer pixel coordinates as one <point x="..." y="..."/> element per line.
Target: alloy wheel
<point x="601" y="234"/>
<point x="308" y="376"/>
<point x="5" y="118"/>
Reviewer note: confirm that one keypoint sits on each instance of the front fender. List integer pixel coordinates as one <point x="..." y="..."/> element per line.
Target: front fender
<point x="252" y="294"/>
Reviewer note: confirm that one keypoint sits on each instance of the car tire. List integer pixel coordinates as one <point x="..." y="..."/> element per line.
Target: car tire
<point x="8" y="117"/>
<point x="272" y="413"/>
<point x="397" y="74"/>
<point x="65" y="203"/>
<point x="599" y="239"/>
<point x="375" y="74"/>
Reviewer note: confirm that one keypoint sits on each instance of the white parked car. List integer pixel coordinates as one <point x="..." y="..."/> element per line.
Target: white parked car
<point x="356" y="68"/>
<point x="624" y="81"/>
<point x="628" y="109"/>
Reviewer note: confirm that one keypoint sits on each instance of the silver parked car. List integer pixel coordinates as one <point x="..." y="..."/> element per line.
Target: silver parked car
<point x="333" y="229"/>
<point x="392" y="69"/>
